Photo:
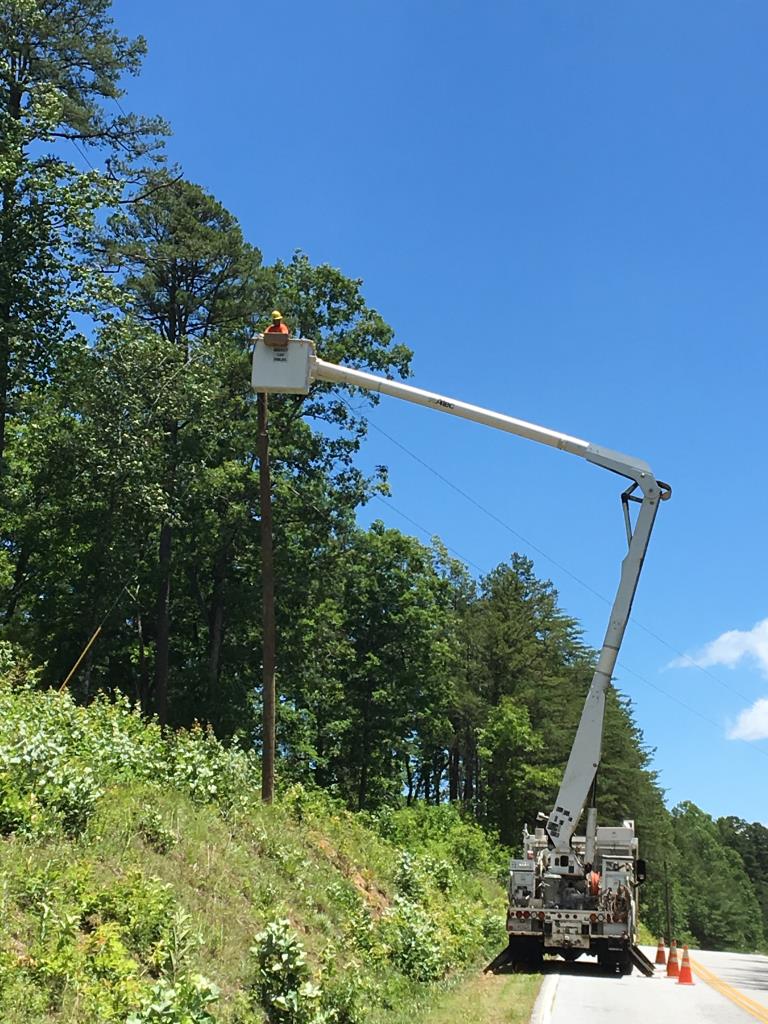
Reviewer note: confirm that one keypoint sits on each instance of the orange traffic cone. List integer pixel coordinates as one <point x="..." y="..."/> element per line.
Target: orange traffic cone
<point x="673" y="970"/>
<point x="661" y="956"/>
<point x="686" y="978"/>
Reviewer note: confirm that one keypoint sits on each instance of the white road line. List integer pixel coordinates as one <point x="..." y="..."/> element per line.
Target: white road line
<point x="542" y="1008"/>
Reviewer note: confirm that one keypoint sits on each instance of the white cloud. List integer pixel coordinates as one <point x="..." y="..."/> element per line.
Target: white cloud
<point x="730" y="648"/>
<point x="751" y="724"/>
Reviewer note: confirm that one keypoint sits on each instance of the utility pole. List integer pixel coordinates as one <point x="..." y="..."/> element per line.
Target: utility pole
<point x="666" y="900"/>
<point x="268" y="609"/>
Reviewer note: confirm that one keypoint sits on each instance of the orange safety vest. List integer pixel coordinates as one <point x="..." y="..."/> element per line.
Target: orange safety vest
<point x="277" y="329"/>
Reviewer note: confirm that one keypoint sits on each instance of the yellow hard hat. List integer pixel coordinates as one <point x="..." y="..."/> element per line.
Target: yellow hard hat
<point x="276" y="314"/>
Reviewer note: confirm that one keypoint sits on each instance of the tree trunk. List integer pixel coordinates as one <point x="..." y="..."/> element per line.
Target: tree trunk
<point x="143" y="683"/>
<point x="453" y="769"/>
<point x="6" y="292"/>
<point x="19" y="579"/>
<point x="439" y="766"/>
<point x="6" y="282"/>
<point x="322" y="775"/>
<point x="216" y="627"/>
<point x="163" y="634"/>
<point x="163" y="627"/>
<point x="86" y="688"/>
<point x="425" y="780"/>
<point x="409" y="778"/>
<point x="362" y="786"/>
<point x="469" y="777"/>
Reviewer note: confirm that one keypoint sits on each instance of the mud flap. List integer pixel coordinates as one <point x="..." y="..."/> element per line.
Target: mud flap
<point x="641" y="961"/>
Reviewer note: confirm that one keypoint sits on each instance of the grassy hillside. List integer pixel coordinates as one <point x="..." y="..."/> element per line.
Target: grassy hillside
<point x="143" y="881"/>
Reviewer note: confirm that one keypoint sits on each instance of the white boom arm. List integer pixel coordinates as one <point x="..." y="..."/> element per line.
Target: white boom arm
<point x="291" y="368"/>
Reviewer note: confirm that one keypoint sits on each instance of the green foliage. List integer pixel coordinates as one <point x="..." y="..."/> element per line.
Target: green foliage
<point x="187" y="1001"/>
<point x="409" y="881"/>
<point x="56" y="758"/>
<point x="414" y="945"/>
<point x="155" y="833"/>
<point x="721" y="908"/>
<point x="750" y="842"/>
<point x="41" y="787"/>
<point x="442" y="832"/>
<point x="178" y="868"/>
<point x="283" y="985"/>
<point x="115" y="945"/>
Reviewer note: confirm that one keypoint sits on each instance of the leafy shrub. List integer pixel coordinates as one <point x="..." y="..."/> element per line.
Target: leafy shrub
<point x="42" y="788"/>
<point x="441" y="831"/>
<point x="307" y="803"/>
<point x="343" y="996"/>
<point x="119" y="949"/>
<point x="154" y="832"/>
<point x="115" y="947"/>
<point x="414" y="942"/>
<point x="440" y="871"/>
<point x="143" y="907"/>
<point x="185" y="1001"/>
<point x="409" y="879"/>
<point x="57" y="758"/>
<point x="283" y="986"/>
<point x="360" y="933"/>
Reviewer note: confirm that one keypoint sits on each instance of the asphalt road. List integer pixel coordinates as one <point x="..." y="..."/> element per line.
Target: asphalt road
<point x="729" y="988"/>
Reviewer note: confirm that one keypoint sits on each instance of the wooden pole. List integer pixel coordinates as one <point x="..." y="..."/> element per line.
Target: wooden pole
<point x="668" y="905"/>
<point x="83" y="653"/>
<point x="268" y="608"/>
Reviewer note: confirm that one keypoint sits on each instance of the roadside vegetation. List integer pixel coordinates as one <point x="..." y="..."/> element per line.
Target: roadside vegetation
<point x="143" y="881"/>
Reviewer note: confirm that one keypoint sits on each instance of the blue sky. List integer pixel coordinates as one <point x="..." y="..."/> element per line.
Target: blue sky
<point x="562" y="209"/>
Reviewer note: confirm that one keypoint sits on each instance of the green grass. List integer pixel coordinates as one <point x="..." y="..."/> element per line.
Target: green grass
<point x="488" y="999"/>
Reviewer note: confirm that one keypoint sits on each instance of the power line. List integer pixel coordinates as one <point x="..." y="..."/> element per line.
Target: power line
<point x="82" y="153"/>
<point x="428" y="533"/>
<point x="534" y="547"/>
<point x="682" y="703"/>
<point x="432" y="533"/>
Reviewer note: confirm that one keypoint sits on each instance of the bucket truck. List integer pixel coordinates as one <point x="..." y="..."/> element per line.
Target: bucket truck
<point x="568" y="894"/>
